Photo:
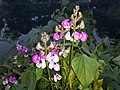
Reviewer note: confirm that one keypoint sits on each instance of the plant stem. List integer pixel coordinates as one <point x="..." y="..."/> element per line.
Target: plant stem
<point x="62" y="72"/>
<point x="49" y="77"/>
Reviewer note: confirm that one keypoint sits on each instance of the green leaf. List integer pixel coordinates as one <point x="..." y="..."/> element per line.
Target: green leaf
<point x="85" y="68"/>
<point x="43" y="84"/>
<point x="47" y="29"/>
<point x="38" y="73"/>
<point x="117" y="60"/>
<point x="60" y="19"/>
<point x="64" y="2"/>
<point x="85" y="48"/>
<point x="29" y="79"/>
<point x="52" y="23"/>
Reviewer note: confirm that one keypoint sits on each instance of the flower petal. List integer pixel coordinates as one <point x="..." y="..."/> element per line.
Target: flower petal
<point x="55" y="78"/>
<point x="56" y="67"/>
<point x="65" y="23"/>
<point x="43" y="64"/>
<point x="68" y="37"/>
<point x="55" y="58"/>
<point x="35" y="58"/>
<point x="49" y="57"/>
<point x="39" y="65"/>
<point x="58" y="76"/>
<point x="51" y="65"/>
<point x="84" y="36"/>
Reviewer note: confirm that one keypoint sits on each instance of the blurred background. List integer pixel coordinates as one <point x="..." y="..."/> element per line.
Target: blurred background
<point x="20" y="19"/>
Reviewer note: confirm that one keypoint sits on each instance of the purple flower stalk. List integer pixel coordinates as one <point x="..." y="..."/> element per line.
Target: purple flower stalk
<point x="21" y="49"/>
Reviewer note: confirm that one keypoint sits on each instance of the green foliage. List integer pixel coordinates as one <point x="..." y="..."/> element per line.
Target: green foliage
<point x="116" y="60"/>
<point x="28" y="78"/>
<point x="85" y="69"/>
<point x="38" y="73"/>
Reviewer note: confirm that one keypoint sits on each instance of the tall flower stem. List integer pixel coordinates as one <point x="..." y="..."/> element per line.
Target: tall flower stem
<point x="49" y="77"/>
<point x="71" y="57"/>
<point x="62" y="70"/>
<point x="72" y="46"/>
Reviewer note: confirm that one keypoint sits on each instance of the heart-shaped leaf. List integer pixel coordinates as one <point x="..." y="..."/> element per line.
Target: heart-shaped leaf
<point x="85" y="68"/>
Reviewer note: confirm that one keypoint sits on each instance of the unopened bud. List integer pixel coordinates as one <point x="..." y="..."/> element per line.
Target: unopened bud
<point x="45" y="37"/>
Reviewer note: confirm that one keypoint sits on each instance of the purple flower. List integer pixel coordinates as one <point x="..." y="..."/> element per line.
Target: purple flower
<point x="25" y="49"/>
<point x="84" y="36"/>
<point x="76" y="36"/>
<point x="35" y="58"/>
<point x="57" y="36"/>
<point x="54" y="51"/>
<point x="42" y="55"/>
<point x="65" y="23"/>
<point x="19" y="47"/>
<point x="13" y="80"/>
<point x="39" y="60"/>
<point x="71" y="23"/>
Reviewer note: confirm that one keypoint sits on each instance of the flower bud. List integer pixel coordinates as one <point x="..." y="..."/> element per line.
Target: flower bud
<point x="82" y="25"/>
<point x="45" y="37"/>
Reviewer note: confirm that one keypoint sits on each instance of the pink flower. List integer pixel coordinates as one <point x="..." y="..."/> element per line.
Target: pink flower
<point x="84" y="36"/>
<point x="57" y="36"/>
<point x="35" y="58"/>
<point x="65" y="23"/>
<point x="13" y="80"/>
<point x="76" y="36"/>
<point x="42" y="55"/>
<point x="71" y="23"/>
<point x="54" y="51"/>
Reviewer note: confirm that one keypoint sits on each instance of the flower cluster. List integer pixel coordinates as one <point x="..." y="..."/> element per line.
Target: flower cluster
<point x="10" y="80"/>
<point x="51" y="57"/>
<point x="22" y="49"/>
<point x="50" y="54"/>
<point x="65" y="29"/>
